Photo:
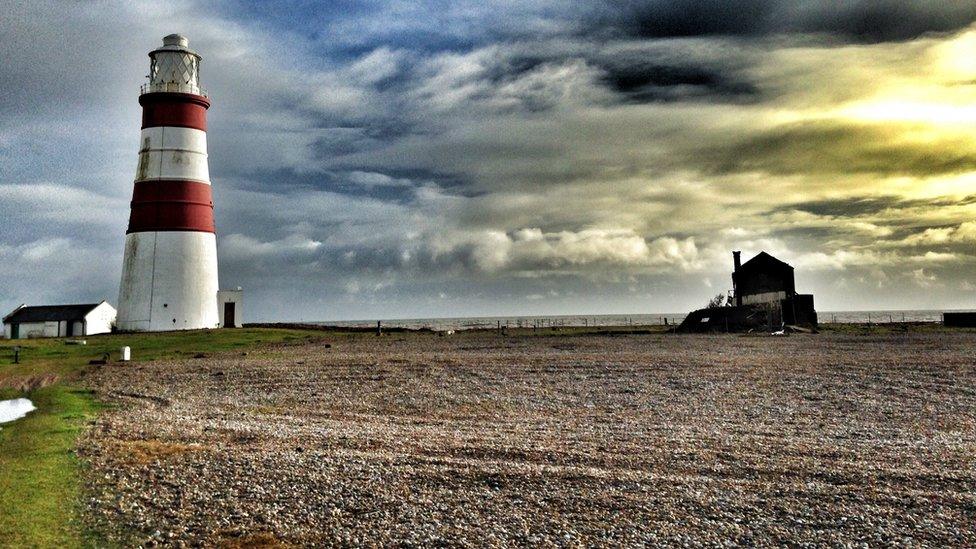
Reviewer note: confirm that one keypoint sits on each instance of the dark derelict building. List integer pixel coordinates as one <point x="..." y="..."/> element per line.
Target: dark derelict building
<point x="763" y="298"/>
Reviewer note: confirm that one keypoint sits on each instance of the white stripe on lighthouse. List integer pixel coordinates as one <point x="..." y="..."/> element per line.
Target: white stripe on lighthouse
<point x="172" y="137"/>
<point x="173" y="153"/>
<point x="173" y="164"/>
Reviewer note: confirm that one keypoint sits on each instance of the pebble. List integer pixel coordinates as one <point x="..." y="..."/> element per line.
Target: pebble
<point x="476" y="440"/>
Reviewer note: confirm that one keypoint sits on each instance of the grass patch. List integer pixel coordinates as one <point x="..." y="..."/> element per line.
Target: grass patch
<point x="149" y="451"/>
<point x="40" y="479"/>
<point x="888" y="328"/>
<point x="52" y="356"/>
<point x="574" y="331"/>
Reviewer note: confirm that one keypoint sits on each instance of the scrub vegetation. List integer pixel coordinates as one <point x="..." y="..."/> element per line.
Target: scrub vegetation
<point x="41" y="480"/>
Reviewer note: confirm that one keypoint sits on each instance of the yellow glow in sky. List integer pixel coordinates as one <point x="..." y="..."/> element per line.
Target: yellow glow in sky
<point x="895" y="110"/>
<point x="957" y="58"/>
<point x="941" y="93"/>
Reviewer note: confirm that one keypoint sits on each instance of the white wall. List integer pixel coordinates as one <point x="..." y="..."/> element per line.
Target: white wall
<point x="100" y="319"/>
<point x="237" y="298"/>
<point x="169" y="281"/>
<point x="54" y="328"/>
<point x="135" y="291"/>
<point x="7" y="327"/>
<point x="768" y="297"/>
<point x="39" y="329"/>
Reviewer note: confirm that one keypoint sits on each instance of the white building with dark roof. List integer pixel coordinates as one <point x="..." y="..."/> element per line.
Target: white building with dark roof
<point x="59" y="320"/>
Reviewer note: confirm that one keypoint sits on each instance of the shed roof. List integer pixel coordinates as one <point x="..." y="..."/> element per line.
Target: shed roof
<point x="50" y="313"/>
<point x="762" y="259"/>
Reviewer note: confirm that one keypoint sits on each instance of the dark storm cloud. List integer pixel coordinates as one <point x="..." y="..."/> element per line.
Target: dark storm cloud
<point x="848" y="207"/>
<point x="682" y="18"/>
<point x="858" y="206"/>
<point x="843" y="148"/>
<point x="354" y="27"/>
<point x="868" y="21"/>
<point x="653" y="82"/>
<point x="636" y="75"/>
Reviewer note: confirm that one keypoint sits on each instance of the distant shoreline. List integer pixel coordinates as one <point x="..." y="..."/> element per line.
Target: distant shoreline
<point x="604" y="321"/>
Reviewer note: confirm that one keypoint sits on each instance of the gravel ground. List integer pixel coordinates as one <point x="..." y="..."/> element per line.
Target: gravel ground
<point x="483" y="440"/>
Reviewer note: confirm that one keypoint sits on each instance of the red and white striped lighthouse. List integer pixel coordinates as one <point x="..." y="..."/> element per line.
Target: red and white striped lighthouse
<point x="169" y="270"/>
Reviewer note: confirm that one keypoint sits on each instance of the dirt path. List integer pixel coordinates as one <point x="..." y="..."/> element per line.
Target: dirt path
<point x="478" y="439"/>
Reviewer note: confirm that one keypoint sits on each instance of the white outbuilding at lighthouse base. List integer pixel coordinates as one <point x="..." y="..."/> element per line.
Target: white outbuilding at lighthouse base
<point x="59" y="321"/>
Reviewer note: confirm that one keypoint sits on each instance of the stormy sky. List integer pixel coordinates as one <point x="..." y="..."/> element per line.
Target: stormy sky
<point x="383" y="159"/>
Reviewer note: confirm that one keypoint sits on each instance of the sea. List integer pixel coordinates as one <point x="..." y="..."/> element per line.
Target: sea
<point x="656" y="319"/>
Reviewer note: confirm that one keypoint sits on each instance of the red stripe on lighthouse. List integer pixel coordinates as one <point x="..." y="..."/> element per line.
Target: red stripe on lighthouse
<point x="174" y="109"/>
<point x="170" y="205"/>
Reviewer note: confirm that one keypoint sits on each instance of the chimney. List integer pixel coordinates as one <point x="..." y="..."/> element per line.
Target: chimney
<point x="737" y="262"/>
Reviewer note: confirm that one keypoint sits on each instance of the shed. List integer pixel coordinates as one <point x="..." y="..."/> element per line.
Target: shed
<point x="230" y="308"/>
<point x="959" y="319"/>
<point x="765" y="299"/>
<point x="762" y="279"/>
<point x="59" y="320"/>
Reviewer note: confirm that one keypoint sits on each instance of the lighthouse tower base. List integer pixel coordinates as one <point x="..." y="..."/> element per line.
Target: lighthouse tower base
<point x="169" y="282"/>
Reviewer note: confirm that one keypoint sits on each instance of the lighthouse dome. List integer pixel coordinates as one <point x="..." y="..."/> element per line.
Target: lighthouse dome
<point x="176" y="40"/>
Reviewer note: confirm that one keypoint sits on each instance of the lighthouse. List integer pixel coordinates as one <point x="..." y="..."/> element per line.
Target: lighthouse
<point x="169" y="268"/>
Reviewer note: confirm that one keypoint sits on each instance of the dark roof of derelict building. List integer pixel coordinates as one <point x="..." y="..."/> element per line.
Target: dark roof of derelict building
<point x="50" y="313"/>
<point x="764" y="260"/>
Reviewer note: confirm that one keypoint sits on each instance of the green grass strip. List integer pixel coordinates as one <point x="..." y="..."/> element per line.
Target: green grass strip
<point x="40" y="478"/>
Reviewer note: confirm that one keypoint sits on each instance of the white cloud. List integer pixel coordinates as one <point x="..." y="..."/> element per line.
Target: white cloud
<point x="238" y="246"/>
<point x="965" y="232"/>
<point x="929" y="237"/>
<point x="532" y="249"/>
<point x="923" y="279"/>
<point x="839" y="259"/>
<point x="377" y="65"/>
<point x="373" y="179"/>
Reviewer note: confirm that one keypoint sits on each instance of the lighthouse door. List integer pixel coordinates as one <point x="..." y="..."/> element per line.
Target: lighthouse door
<point x="229" y="321"/>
